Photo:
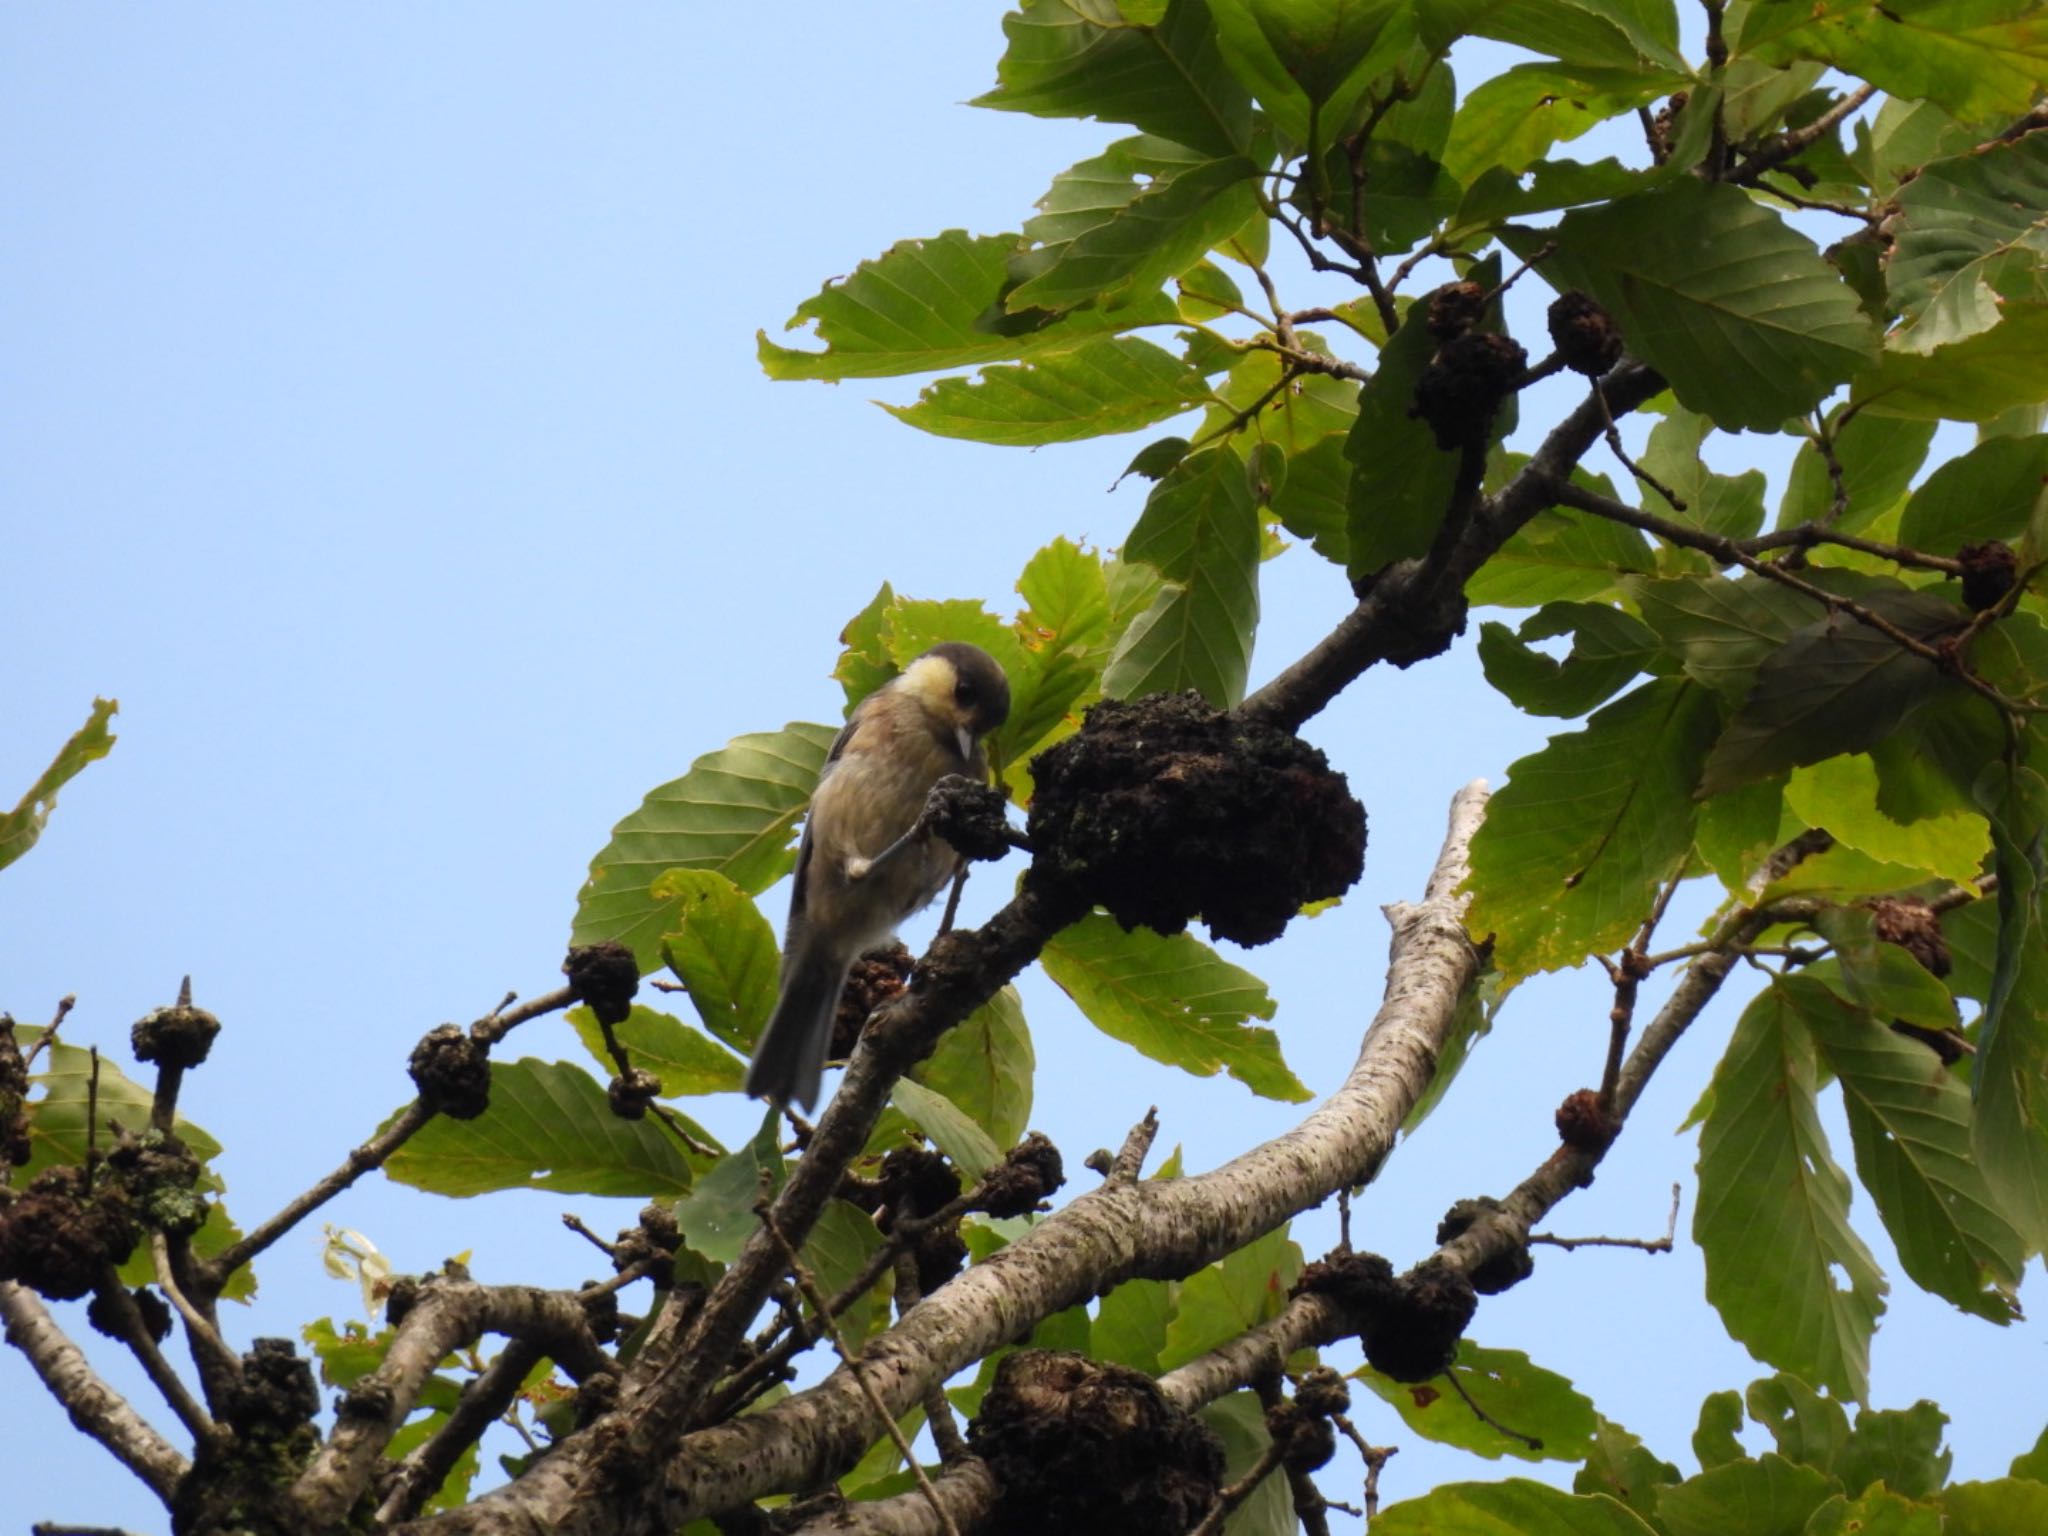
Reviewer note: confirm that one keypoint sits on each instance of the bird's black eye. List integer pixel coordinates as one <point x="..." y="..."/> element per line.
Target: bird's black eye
<point x="963" y="694"/>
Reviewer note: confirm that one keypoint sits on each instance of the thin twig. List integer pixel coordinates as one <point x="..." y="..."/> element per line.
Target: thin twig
<point x="206" y="1340"/>
<point x="575" y="1224"/>
<point x="809" y="1286"/>
<point x="48" y="1037"/>
<point x="134" y="1332"/>
<point x="1613" y="435"/>
<point x="1645" y="1244"/>
<point x="1229" y="1498"/>
<point x="1794" y="141"/>
<point x="1533" y="1442"/>
<point x="1374" y="1456"/>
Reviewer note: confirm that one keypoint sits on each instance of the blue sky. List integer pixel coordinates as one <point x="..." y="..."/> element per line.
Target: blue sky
<point x="379" y="422"/>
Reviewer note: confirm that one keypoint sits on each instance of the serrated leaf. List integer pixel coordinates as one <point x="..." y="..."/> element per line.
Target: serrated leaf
<point x="1307" y="61"/>
<point x="1609" y="648"/>
<point x="951" y="1129"/>
<point x="1720" y="295"/>
<point x="722" y="950"/>
<point x="1314" y="501"/>
<point x="1730" y="505"/>
<point x="1509" y="122"/>
<point x="1557" y="556"/>
<point x="1200" y="532"/>
<point x="1976" y="379"/>
<point x="1161" y="232"/>
<point x="1968" y="229"/>
<point x="20" y="827"/>
<point x="1064" y="635"/>
<point x="1131" y="1322"/>
<point x="1238" y="1421"/>
<point x="686" y="1062"/>
<point x="1238" y="1292"/>
<point x="1400" y="480"/>
<point x="717" y="1216"/>
<point x="1772" y="1215"/>
<point x="1836" y="685"/>
<point x="1766" y="1497"/>
<point x="927" y="305"/>
<point x="1899" y="1447"/>
<point x="1991" y="492"/>
<point x="1513" y="1507"/>
<point x="984" y="1067"/>
<point x="1118" y="384"/>
<point x="1721" y="630"/>
<point x="1174" y="999"/>
<point x="1622" y="1467"/>
<point x="1841" y="794"/>
<point x="1161" y="71"/>
<point x="734" y="812"/>
<point x="1576" y="843"/>
<point x="548" y="1127"/>
<point x="839" y="1245"/>
<point x="1878" y="460"/>
<point x="1977" y="58"/>
<point x="1511" y="1390"/>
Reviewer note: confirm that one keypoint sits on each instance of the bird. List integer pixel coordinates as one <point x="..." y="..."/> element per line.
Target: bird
<point x="865" y="863"/>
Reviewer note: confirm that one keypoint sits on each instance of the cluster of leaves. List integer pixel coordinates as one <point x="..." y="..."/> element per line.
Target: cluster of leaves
<point x="1823" y="1476"/>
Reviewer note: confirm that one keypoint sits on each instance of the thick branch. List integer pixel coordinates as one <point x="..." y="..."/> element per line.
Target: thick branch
<point x="95" y="1407"/>
<point x="449" y="1314"/>
<point x="1111" y="1234"/>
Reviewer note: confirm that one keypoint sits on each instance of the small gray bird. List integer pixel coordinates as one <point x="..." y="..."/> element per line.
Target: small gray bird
<point x="864" y="865"/>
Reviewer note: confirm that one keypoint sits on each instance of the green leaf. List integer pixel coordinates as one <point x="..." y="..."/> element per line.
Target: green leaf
<point x="1513" y="1507"/>
<point x="1904" y="136"/>
<point x="1511" y="1390"/>
<point x="1161" y="232"/>
<point x="734" y="812"/>
<point x="717" y="1217"/>
<point x="1721" y="630"/>
<point x="2011" y="1077"/>
<point x="1766" y="1497"/>
<point x="1239" y="1422"/>
<point x="1721" y="296"/>
<point x="1307" y="61"/>
<point x="1509" y="122"/>
<point x="1200" y="531"/>
<point x="1131" y="1322"/>
<point x="1772" y="1218"/>
<point x="1402" y="194"/>
<point x="685" y="1061"/>
<point x="1836" y="685"/>
<point x="1713" y="1440"/>
<point x="57" y="1117"/>
<point x="1809" y="1429"/>
<point x="1559" y="556"/>
<point x="1161" y="71"/>
<point x="1842" y="794"/>
<point x="1899" y="1447"/>
<point x="984" y="1065"/>
<point x="1977" y="58"/>
<point x="951" y="1129"/>
<point x="1553" y="184"/>
<point x="1967" y="231"/>
<point x="723" y="952"/>
<point x="2032" y="1464"/>
<point x="840" y="1244"/>
<point x="1627" y="34"/>
<point x="1576" y="843"/>
<point x="1877" y="1513"/>
<point x="1065" y="634"/>
<point x="2000" y="1508"/>
<point x="1977" y="379"/>
<point x="1225" y="1299"/>
<point x="1609" y="648"/>
<point x="1175" y="1000"/>
<point x="927" y="305"/>
<point x="20" y="827"/>
<point x="1878" y="460"/>
<point x="1877" y="978"/>
<point x="1730" y="505"/>
<point x="548" y="1127"/>
<point x="1991" y="492"/>
<point x="1400" y="480"/>
<point x="1119" y="384"/>
<point x="1622" y="1467"/>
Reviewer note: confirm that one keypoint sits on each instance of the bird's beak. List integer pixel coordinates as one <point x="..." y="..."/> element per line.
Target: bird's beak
<point x="966" y="740"/>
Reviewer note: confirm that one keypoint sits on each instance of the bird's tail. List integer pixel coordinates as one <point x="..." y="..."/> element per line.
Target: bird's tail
<point x="789" y="1060"/>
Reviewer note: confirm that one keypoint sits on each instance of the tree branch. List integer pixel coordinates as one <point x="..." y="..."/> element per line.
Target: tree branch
<point x="95" y="1407"/>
